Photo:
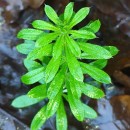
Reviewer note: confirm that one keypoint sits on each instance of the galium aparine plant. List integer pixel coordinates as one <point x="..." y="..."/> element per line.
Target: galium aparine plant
<point x="54" y="52"/>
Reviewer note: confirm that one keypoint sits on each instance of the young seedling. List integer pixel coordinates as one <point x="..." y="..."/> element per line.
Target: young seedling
<point x="54" y="60"/>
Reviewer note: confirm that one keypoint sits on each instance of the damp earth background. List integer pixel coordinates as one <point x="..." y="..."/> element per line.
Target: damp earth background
<point x="113" y="109"/>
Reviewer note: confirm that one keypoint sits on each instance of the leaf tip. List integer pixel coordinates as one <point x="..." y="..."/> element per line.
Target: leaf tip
<point x="19" y="34"/>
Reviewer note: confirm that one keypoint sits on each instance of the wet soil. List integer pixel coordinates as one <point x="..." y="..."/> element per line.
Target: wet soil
<point x="113" y="110"/>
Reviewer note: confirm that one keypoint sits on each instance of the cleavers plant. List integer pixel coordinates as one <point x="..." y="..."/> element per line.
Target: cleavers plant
<point x="54" y="60"/>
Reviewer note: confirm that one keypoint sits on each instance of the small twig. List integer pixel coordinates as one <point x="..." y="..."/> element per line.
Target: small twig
<point x="125" y="6"/>
<point x="122" y="22"/>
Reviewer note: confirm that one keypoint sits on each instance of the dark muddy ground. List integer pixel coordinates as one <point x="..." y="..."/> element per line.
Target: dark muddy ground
<point x="113" y="110"/>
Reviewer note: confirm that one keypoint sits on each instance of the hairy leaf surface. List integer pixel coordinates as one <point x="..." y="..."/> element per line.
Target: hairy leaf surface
<point x="38" y="53"/>
<point x="29" y="34"/>
<point x="74" y="87"/>
<point x="74" y="66"/>
<point x="92" y="91"/>
<point x="56" y="84"/>
<point x="31" y="65"/>
<point x="73" y="46"/>
<point x="24" y="101"/>
<point x="95" y="73"/>
<point x="93" y="26"/>
<point x="99" y="63"/>
<point x="39" y="119"/>
<point x="33" y="76"/>
<point x="79" y="16"/>
<point x="68" y="12"/>
<point x="50" y="12"/>
<point x="52" y="69"/>
<point x="94" y="51"/>
<point x="58" y="47"/>
<point x="40" y="24"/>
<point x="25" y="48"/>
<point x="84" y="34"/>
<point x="61" y="119"/>
<point x="39" y="92"/>
<point x="75" y="104"/>
<point x="46" y="39"/>
<point x="53" y="105"/>
<point x="112" y="49"/>
<point x="89" y="112"/>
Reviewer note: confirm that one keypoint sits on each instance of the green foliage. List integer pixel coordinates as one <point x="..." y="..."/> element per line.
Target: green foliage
<point x="92" y="51"/>
<point x="26" y="47"/>
<point x="33" y="76"/>
<point x="39" y="92"/>
<point x="54" y="60"/>
<point x="95" y="73"/>
<point x="93" y="26"/>
<point x="39" y="119"/>
<point x="24" y="101"/>
<point x="61" y="119"/>
<point x="29" y="34"/>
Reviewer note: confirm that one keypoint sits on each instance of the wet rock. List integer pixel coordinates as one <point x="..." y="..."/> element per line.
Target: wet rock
<point x="121" y="107"/>
<point x="122" y="78"/>
<point x="35" y="3"/>
<point x="112" y="90"/>
<point x="12" y="8"/>
<point x="109" y="7"/>
<point x="7" y="122"/>
<point x="126" y="70"/>
<point x="5" y="98"/>
<point x="110" y="115"/>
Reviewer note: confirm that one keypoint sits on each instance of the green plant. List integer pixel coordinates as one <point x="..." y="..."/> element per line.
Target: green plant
<point x="54" y="59"/>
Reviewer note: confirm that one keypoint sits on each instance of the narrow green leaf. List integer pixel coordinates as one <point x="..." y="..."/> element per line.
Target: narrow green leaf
<point x="93" y="26"/>
<point x="31" y="65"/>
<point x="68" y="12"/>
<point x="89" y="112"/>
<point x="92" y="91"/>
<point x="29" y="34"/>
<point x="56" y="84"/>
<point x="76" y="106"/>
<point x="61" y="17"/>
<point x="33" y="76"/>
<point x="52" y="69"/>
<point x="50" y="12"/>
<point x="46" y="39"/>
<point x="40" y="24"/>
<point x="95" y="73"/>
<point x="58" y="47"/>
<point x="79" y="16"/>
<point x="39" y="119"/>
<point x="39" y="92"/>
<point x="61" y="119"/>
<point x="99" y="63"/>
<point x="38" y="53"/>
<point x="25" y="48"/>
<point x="45" y="60"/>
<point x="94" y="51"/>
<point x="24" y="101"/>
<point x="74" y="66"/>
<point x="112" y="49"/>
<point x="74" y="87"/>
<point x="73" y="46"/>
<point x="85" y="34"/>
<point x="53" y="105"/>
<point x="65" y="96"/>
<point x="29" y="42"/>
